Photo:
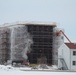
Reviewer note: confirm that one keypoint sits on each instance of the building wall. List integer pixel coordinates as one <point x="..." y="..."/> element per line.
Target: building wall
<point x="64" y="52"/>
<point x="73" y="58"/>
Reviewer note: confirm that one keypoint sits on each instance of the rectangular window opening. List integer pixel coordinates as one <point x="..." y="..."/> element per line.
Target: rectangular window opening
<point x="74" y="52"/>
<point x="74" y="62"/>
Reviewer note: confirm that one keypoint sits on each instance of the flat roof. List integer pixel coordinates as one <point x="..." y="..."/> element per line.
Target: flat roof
<point x="29" y="23"/>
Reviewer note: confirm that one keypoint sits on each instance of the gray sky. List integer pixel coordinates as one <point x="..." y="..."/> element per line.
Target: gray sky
<point x="63" y="12"/>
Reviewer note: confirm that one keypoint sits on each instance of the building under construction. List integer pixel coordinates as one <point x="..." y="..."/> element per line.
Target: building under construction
<point x="42" y="43"/>
<point x="4" y="45"/>
<point x="36" y="42"/>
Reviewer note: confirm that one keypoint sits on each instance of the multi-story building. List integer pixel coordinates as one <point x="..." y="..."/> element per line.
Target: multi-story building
<point x="36" y="42"/>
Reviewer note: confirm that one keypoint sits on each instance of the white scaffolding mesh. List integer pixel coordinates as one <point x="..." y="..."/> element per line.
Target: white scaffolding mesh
<point x="57" y="42"/>
<point x="20" y="43"/>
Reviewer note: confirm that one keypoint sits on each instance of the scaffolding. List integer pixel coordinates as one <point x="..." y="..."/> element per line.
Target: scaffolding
<point x="4" y="45"/>
<point x="30" y="42"/>
<point x="42" y="44"/>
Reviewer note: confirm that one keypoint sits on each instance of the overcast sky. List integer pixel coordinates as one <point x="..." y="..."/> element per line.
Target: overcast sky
<point x="63" y="12"/>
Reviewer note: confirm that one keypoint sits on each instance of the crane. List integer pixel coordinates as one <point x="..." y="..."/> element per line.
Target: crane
<point x="64" y="35"/>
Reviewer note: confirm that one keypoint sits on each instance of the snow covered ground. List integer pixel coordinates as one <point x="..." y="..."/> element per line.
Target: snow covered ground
<point x="17" y="72"/>
<point x="9" y="67"/>
<point x="9" y="70"/>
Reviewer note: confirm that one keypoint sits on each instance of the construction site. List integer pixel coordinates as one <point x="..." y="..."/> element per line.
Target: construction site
<point x="33" y="43"/>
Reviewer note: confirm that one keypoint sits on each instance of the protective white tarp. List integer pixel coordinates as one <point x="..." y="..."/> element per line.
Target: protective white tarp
<point x="21" y="41"/>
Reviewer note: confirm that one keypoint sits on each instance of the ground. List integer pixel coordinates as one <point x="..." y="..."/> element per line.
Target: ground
<point x="8" y="70"/>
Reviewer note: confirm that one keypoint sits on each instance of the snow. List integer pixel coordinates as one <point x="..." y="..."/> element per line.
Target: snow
<point x="35" y="73"/>
<point x="27" y="22"/>
<point x="9" y="70"/>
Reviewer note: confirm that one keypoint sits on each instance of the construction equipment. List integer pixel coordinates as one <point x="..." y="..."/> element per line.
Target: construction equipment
<point x="64" y="35"/>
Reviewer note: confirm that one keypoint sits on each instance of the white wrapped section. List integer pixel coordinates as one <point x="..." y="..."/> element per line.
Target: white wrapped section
<point x="20" y="43"/>
<point x="57" y="42"/>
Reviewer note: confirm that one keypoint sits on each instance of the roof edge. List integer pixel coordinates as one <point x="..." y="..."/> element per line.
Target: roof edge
<point x="29" y="23"/>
